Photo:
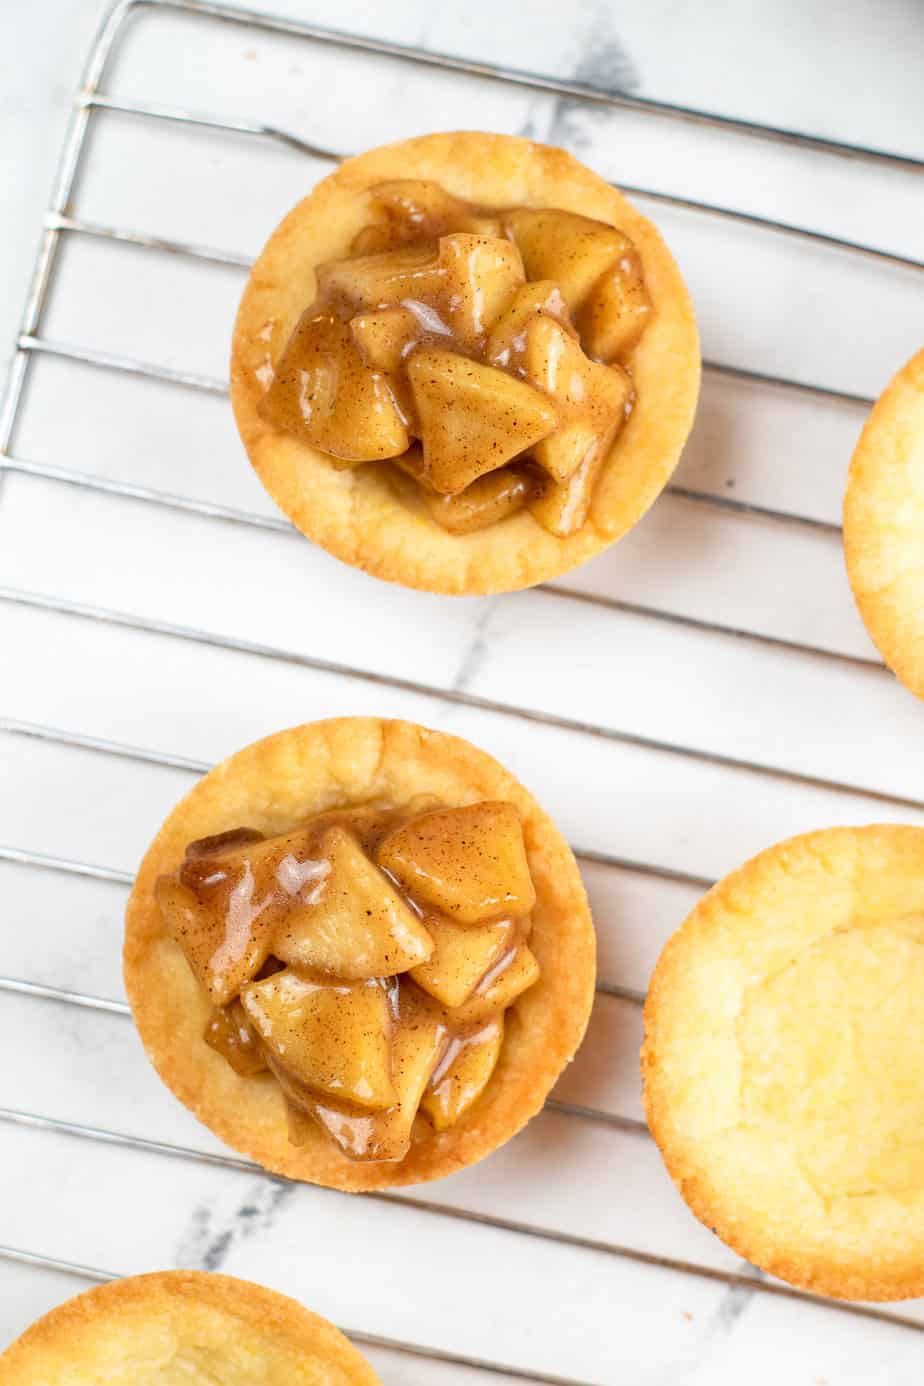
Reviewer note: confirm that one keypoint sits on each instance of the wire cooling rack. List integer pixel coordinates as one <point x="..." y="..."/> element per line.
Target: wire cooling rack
<point x="699" y="692"/>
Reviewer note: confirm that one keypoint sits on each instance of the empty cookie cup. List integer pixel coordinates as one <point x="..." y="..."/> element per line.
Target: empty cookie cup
<point x="177" y="1326"/>
<point x="884" y="525"/>
<point x="783" y="1061"/>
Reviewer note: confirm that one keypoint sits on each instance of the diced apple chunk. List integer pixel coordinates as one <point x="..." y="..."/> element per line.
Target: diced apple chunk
<point x="334" y="1039"/>
<point x="349" y="1125"/>
<point x="302" y="1126"/>
<point x="482" y="275"/>
<point x="617" y="310"/>
<point x="373" y="239"/>
<point x="324" y="393"/>
<point x="473" y="418"/>
<point x="591" y="398"/>
<point x="554" y="361"/>
<point x="469" y="863"/>
<point x="369" y="822"/>
<point x="563" y="507"/>
<point x="507" y="341"/>
<point x="419" y="1043"/>
<point x="572" y="250"/>
<point x="220" y="844"/>
<point x="418" y="207"/>
<point x="231" y="892"/>
<point x="411" y="463"/>
<point x="419" y="202"/>
<point x="385" y="337"/>
<point x="510" y="978"/>
<point x="213" y="873"/>
<point x="368" y="282"/>
<point x="228" y="1031"/>
<point x="462" y="955"/>
<point x="570" y="445"/>
<point x="225" y="944"/>
<point x="481" y="224"/>
<point x="463" y="1074"/>
<point x="356" y="924"/>
<point x="487" y="501"/>
<point x="257" y="880"/>
<point x="350" y="1128"/>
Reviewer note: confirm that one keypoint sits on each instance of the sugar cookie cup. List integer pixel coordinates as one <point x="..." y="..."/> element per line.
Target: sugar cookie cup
<point x="283" y="781"/>
<point x="356" y="513"/>
<point x="183" y="1321"/>
<point x="884" y="525"/>
<point x="783" y="1061"/>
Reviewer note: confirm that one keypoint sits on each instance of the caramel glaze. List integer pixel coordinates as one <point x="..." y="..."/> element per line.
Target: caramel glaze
<point x="344" y="382"/>
<point x="242" y="892"/>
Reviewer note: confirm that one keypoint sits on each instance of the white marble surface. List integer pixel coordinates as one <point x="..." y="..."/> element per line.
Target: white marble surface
<point x="572" y="1308"/>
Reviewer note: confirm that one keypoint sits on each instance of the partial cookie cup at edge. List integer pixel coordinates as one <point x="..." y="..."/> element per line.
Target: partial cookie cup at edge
<point x="125" y="1325"/>
<point x="269" y="786"/>
<point x="884" y="525"/>
<point x="755" y="1198"/>
<point x="355" y="513"/>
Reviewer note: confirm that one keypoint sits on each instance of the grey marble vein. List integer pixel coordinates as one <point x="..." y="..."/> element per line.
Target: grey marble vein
<point x="209" y="1239"/>
<point x="603" y="62"/>
<point x="474" y="656"/>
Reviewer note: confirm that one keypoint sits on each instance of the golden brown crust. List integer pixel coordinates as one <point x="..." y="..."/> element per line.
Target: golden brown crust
<point x="884" y="525"/>
<point x="271" y="785"/>
<point x="753" y="1180"/>
<point x="169" y="1324"/>
<point x="355" y="513"/>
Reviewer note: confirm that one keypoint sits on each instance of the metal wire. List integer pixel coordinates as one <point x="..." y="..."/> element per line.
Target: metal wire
<point x="172" y="501"/>
<point x="17" y="1256"/>
<point x="19" y="986"/>
<point x="749" y="1280"/>
<point x="42" y="861"/>
<point x="108" y="616"/>
<point x="179" y="115"/>
<point x="91" y="98"/>
<point x="19" y="856"/>
<point x="42" y="732"/>
<point x="536" y="82"/>
<point x="59" y="223"/>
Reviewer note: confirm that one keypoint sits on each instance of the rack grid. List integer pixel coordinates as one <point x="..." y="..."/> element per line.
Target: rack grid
<point x="601" y="603"/>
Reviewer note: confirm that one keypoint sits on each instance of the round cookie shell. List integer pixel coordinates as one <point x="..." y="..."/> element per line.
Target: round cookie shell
<point x="358" y="514"/>
<point x="190" y="1320"/>
<point x="277" y="782"/>
<point x="799" y="1150"/>
<point x="884" y="525"/>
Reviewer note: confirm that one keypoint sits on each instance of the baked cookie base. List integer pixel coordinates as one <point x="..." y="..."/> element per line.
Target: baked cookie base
<point x="179" y="1326"/>
<point x="275" y="783"/>
<point x="747" y="1180"/>
<point x="884" y="525"/>
<point x="356" y="513"/>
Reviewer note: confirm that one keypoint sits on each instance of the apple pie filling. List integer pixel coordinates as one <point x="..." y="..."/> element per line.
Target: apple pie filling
<point x="364" y="960"/>
<point x="480" y="353"/>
